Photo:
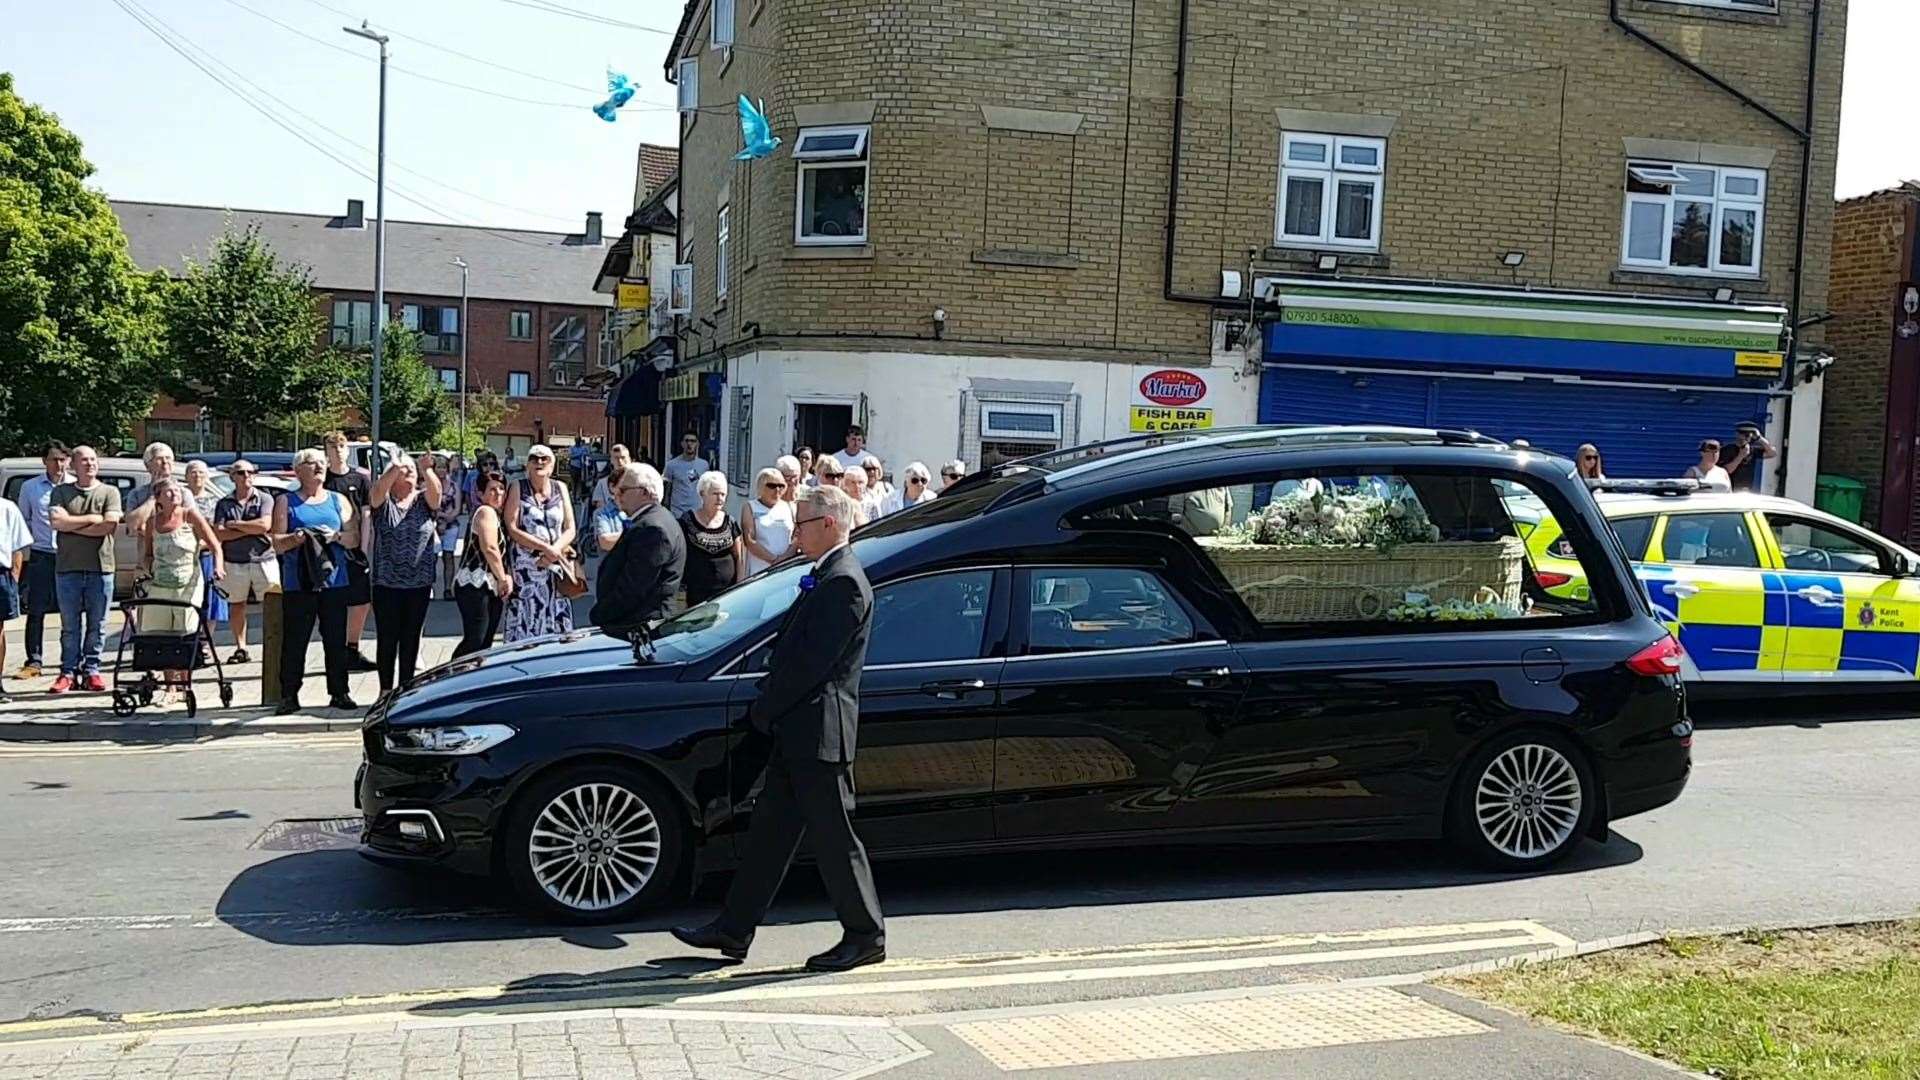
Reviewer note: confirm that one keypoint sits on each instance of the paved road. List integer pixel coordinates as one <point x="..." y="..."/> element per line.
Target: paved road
<point x="147" y="879"/>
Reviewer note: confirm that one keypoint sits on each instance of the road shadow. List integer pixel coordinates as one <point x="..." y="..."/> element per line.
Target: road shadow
<point x="1804" y="709"/>
<point x="335" y="897"/>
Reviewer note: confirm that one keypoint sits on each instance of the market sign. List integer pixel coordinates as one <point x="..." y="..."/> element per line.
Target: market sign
<point x="1170" y="399"/>
<point x="634" y="296"/>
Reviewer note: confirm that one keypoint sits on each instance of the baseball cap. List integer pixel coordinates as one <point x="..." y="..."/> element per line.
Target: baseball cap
<point x="539" y="450"/>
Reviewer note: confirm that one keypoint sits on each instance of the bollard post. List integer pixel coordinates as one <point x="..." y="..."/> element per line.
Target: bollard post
<point x="271" y="633"/>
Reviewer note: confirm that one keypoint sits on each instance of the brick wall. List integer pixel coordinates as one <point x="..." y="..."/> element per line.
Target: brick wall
<point x="1508" y="136"/>
<point x="1869" y="235"/>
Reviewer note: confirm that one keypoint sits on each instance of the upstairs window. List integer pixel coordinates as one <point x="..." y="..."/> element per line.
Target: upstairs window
<point x="352" y="323"/>
<point x="1693" y="219"/>
<point x="722" y="31"/>
<point x="722" y="238"/>
<point x="567" y="351"/>
<point x="1330" y="190"/>
<point x="520" y="325"/>
<point x="686" y="76"/>
<point x="438" y="327"/>
<point x="831" y="194"/>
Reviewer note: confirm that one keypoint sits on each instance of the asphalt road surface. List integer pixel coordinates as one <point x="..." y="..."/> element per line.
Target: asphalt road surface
<point x="171" y="879"/>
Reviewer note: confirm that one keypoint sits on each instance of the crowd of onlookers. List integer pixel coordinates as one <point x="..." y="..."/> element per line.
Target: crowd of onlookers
<point x="505" y="539"/>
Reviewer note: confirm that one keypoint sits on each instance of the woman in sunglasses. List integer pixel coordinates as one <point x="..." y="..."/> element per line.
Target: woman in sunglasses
<point x="1586" y="462"/>
<point x="918" y="489"/>
<point x="767" y="527"/>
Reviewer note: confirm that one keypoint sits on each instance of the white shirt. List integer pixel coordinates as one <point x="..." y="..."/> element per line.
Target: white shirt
<point x="772" y="529"/>
<point x="683" y="483"/>
<point x="872" y="506"/>
<point x="851" y="461"/>
<point x="897" y="500"/>
<point x="14" y="535"/>
<point x="1714" y="479"/>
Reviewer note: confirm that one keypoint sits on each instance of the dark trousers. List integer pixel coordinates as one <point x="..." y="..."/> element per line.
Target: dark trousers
<point x="298" y="612"/>
<point x="810" y="800"/>
<point x="399" y="615"/>
<point x="479" y="617"/>
<point x="38" y="598"/>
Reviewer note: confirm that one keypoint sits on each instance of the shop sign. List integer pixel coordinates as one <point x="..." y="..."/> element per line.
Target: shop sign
<point x="1171" y="399"/>
<point x="1759" y="363"/>
<point x="634" y="296"/>
<point x="682" y="387"/>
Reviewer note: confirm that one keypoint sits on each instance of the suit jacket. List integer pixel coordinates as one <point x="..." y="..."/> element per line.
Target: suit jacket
<point x="809" y="700"/>
<point x="639" y="577"/>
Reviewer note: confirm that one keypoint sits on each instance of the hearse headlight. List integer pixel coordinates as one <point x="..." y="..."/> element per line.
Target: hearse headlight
<point x="452" y="740"/>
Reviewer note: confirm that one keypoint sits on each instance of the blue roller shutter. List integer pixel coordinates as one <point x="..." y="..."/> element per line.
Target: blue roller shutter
<point x="1308" y="396"/>
<point x="1647" y="432"/>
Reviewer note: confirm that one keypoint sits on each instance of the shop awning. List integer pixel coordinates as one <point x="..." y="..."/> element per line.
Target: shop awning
<point x="1515" y="329"/>
<point x="637" y="395"/>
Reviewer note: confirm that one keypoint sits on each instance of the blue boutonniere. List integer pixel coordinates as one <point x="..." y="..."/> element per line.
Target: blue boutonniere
<point x="807" y="583"/>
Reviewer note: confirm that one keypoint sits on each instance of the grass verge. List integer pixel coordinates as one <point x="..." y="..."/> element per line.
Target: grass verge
<point x="1834" y="1004"/>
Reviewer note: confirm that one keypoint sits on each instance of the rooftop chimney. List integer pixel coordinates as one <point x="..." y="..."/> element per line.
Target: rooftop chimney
<point x="593" y="227"/>
<point x="356" y="217"/>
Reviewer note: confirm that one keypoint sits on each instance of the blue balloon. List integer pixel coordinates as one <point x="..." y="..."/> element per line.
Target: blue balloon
<point x="620" y="90"/>
<point x="756" y="135"/>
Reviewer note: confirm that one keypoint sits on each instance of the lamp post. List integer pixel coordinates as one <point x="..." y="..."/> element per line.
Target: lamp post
<point x="462" y="264"/>
<point x="379" y="245"/>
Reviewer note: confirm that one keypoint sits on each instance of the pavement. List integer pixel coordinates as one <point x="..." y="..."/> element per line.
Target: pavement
<point x="205" y="897"/>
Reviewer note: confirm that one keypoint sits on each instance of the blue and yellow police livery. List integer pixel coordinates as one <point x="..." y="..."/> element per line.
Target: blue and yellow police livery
<point x="1766" y="590"/>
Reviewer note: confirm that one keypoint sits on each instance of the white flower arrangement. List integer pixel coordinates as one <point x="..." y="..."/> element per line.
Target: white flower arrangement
<point x="1422" y="610"/>
<point x="1340" y="518"/>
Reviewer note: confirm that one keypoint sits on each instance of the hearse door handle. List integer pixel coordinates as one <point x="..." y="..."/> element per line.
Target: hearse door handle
<point x="952" y="689"/>
<point x="1201" y="678"/>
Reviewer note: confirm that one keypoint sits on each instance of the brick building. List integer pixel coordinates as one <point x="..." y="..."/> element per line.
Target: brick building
<point x="988" y="228"/>
<point x="536" y="324"/>
<point x="1872" y="408"/>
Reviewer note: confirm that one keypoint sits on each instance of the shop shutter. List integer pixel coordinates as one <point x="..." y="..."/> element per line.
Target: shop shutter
<point x="1649" y="432"/>
<point x="1309" y="396"/>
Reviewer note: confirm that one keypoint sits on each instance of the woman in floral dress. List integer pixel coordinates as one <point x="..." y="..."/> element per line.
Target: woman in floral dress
<point x="540" y="523"/>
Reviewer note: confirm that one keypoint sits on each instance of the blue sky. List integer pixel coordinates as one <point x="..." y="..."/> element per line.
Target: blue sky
<point x="159" y="129"/>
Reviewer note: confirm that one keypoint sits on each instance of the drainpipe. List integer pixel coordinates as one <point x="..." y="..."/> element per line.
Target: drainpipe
<point x="1173" y="170"/>
<point x="1802" y="131"/>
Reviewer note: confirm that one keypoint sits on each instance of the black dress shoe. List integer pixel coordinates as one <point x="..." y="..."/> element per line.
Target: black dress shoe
<point x="343" y="702"/>
<point x="287" y="707"/>
<point x="849" y="954"/>
<point x="711" y="936"/>
<point x="357" y="661"/>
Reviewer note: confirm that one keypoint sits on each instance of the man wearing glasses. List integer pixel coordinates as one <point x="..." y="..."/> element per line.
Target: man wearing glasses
<point x="641" y="575"/>
<point x="809" y="703"/>
<point x="243" y="522"/>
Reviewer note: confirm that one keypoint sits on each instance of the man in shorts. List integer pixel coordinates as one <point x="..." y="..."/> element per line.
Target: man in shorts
<point x="16" y="543"/>
<point x="243" y="521"/>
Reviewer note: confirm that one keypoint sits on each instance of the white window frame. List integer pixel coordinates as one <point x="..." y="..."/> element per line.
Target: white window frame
<point x="1762" y="7"/>
<point x="808" y="161"/>
<point x="526" y="383"/>
<point x="1054" y="413"/>
<point x="721" y="230"/>
<point x="1661" y="172"/>
<point x="720" y="33"/>
<point x="1331" y="175"/>
<point x="449" y="379"/>
<point x="680" y="286"/>
<point x="686" y="76"/>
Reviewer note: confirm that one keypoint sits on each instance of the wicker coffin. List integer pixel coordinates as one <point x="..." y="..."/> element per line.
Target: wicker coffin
<point x="1321" y="584"/>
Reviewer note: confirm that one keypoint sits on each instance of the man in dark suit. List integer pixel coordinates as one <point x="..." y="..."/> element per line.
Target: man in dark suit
<point x="809" y="702"/>
<point x="640" y="576"/>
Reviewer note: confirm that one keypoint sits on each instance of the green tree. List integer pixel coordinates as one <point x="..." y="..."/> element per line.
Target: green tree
<point x="243" y="332"/>
<point x="413" y="407"/>
<point x="486" y="408"/>
<point x="79" y="327"/>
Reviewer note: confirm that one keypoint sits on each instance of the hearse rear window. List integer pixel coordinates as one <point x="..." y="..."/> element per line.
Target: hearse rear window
<point x="1399" y="551"/>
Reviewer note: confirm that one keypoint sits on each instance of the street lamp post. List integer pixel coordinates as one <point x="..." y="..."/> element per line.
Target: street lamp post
<point x="379" y="245"/>
<point x="462" y="264"/>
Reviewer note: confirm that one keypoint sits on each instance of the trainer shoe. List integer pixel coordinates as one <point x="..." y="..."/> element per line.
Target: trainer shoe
<point x="28" y="671"/>
<point x="96" y="684"/>
<point x="62" y="684"/>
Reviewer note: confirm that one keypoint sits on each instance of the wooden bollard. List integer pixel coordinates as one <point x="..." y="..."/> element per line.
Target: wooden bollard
<point x="272" y="631"/>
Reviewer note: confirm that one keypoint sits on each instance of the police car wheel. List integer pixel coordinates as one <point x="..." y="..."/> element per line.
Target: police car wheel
<point x="1523" y="802"/>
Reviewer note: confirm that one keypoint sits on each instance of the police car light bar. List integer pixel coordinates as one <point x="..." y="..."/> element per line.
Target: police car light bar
<point x="1674" y="487"/>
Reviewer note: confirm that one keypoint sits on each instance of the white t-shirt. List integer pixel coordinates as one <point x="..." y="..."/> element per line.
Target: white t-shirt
<point x="14" y="534"/>
<point x="851" y="461"/>
<point x="683" y="483"/>
<point x="1714" y="479"/>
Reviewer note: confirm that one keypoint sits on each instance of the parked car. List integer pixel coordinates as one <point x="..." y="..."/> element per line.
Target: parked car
<point x="269" y="462"/>
<point x="360" y="455"/>
<point x="1119" y="644"/>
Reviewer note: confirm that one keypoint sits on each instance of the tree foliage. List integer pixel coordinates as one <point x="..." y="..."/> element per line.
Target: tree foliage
<point x="486" y="409"/>
<point x="243" y="333"/>
<point x="79" y="326"/>
<point x="413" y="407"/>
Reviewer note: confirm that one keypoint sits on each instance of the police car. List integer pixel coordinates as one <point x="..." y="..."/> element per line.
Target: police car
<point x="1762" y="590"/>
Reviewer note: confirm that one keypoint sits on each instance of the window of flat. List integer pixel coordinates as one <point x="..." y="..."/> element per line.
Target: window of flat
<point x="567" y="351"/>
<point x="437" y="325"/>
<point x="449" y="378"/>
<point x="1331" y="188"/>
<point x="1084" y="609"/>
<point x="1693" y="219"/>
<point x="942" y="617"/>
<point x="1383" y="551"/>
<point x="520" y="325"/>
<point x="720" y="35"/>
<point x="519" y="384"/>
<point x="1013" y="430"/>
<point x="686" y="75"/>
<point x="830" y="197"/>
<point x="1810" y="545"/>
<point x="721" y="237"/>
<point x="1709" y="540"/>
<point x="352" y="323"/>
